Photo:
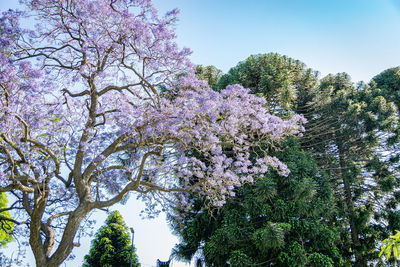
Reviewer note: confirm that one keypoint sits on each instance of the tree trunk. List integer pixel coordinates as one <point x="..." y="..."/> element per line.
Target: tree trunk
<point x="349" y="205"/>
<point x="66" y="244"/>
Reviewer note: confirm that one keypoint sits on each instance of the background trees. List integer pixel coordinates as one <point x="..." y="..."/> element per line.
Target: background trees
<point x="284" y="82"/>
<point x="275" y="221"/>
<point x="210" y="74"/>
<point x="352" y="134"/>
<point x="112" y="245"/>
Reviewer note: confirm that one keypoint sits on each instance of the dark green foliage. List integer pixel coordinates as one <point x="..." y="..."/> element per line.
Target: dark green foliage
<point x="163" y="263"/>
<point x="112" y="245"/>
<point x="387" y="85"/>
<point x="387" y="94"/>
<point x="269" y="237"/>
<point x="283" y="81"/>
<point x="317" y="259"/>
<point x="341" y="198"/>
<point x="238" y="259"/>
<point x="345" y="134"/>
<point x="253" y="228"/>
<point x="388" y="82"/>
<point x="210" y="74"/>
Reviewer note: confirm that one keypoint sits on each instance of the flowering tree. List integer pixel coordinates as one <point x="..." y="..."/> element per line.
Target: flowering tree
<point x="99" y="83"/>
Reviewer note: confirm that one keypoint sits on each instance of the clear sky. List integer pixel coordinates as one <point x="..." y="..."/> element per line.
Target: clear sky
<point x="360" y="37"/>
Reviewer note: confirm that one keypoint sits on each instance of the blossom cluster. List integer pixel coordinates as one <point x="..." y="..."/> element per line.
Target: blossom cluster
<point x="112" y="99"/>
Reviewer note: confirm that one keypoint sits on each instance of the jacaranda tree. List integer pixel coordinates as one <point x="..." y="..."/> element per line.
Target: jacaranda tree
<point x="81" y="92"/>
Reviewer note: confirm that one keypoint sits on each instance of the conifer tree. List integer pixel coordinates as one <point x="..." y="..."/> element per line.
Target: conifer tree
<point x="352" y="133"/>
<point x="210" y="74"/>
<point x="276" y="221"/>
<point x="112" y="246"/>
<point x="349" y="126"/>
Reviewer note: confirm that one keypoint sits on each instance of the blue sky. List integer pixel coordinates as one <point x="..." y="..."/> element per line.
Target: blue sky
<point x="360" y="37"/>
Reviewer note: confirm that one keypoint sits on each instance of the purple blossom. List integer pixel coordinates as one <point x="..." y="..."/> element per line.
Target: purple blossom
<point x="97" y="101"/>
<point x="3" y="176"/>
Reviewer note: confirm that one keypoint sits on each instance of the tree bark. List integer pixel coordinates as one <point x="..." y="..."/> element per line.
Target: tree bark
<point x="349" y="205"/>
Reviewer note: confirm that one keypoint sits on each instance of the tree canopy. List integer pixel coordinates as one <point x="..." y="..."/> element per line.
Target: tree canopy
<point x="283" y="81"/>
<point x="81" y="94"/>
<point x="351" y="135"/>
<point x="275" y="221"/>
<point x="210" y="74"/>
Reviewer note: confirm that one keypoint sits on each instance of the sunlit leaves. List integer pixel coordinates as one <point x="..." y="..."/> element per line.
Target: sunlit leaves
<point x="391" y="246"/>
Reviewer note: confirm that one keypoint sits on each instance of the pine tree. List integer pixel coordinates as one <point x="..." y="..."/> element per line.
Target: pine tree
<point x="346" y="133"/>
<point x="210" y="74"/>
<point x="112" y="246"/>
<point x="276" y="220"/>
